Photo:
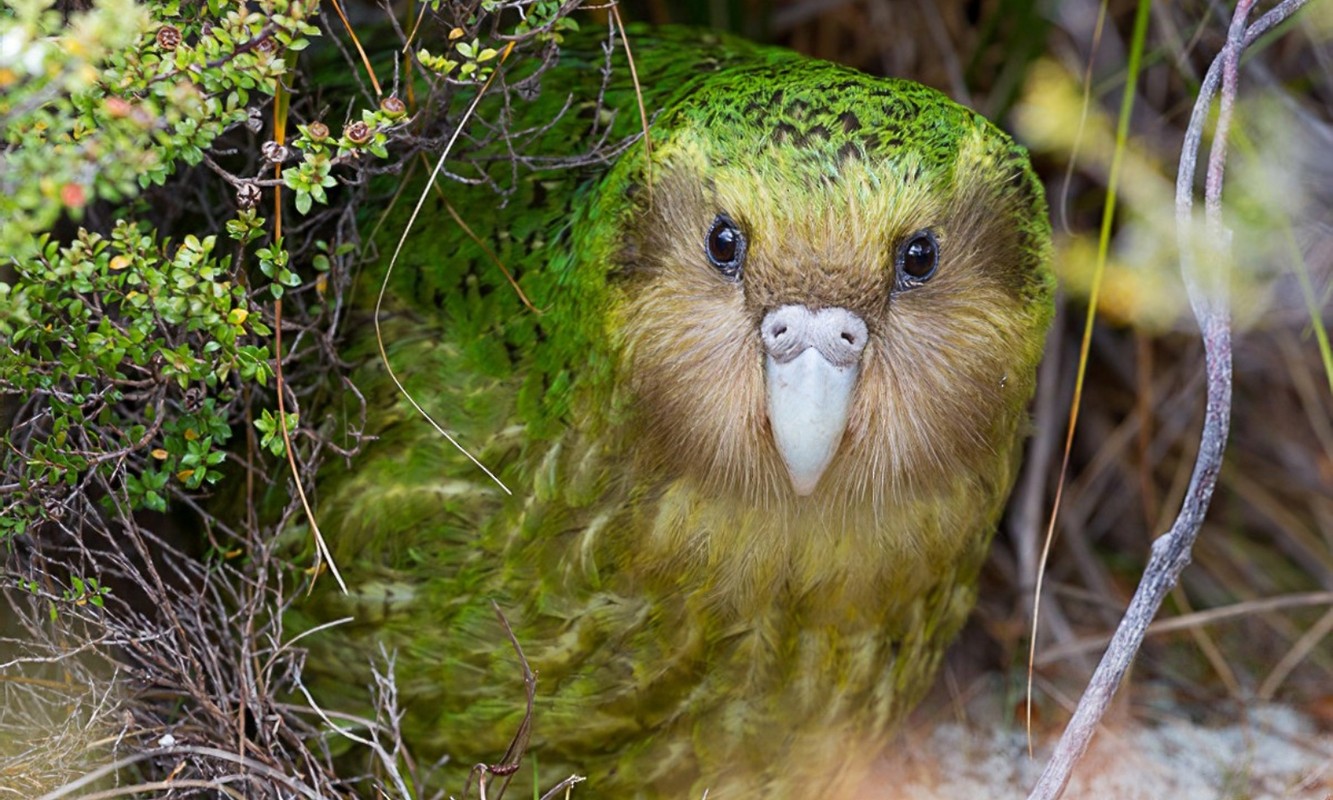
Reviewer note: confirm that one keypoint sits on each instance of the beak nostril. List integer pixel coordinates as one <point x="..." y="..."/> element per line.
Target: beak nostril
<point x="837" y="334"/>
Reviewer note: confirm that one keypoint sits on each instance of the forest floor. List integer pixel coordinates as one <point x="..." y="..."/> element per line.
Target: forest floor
<point x="1150" y="749"/>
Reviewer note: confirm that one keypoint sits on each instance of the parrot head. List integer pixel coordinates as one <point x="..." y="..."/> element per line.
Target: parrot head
<point x="825" y="288"/>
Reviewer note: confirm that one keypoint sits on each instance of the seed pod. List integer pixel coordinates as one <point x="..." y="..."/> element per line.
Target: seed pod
<point x="273" y="152"/>
<point x="357" y="132"/>
<point x="248" y="195"/>
<point x="168" y="38"/>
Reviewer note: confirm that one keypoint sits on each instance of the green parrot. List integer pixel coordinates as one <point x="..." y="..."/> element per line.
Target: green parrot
<point x="754" y="431"/>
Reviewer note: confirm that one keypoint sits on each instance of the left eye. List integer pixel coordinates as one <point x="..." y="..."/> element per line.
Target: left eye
<point x="725" y="247"/>
<point x="918" y="258"/>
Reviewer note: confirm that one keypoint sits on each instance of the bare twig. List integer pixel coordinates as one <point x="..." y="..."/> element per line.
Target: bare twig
<point x="1210" y="616"/>
<point x="1172" y="552"/>
<point x="518" y="746"/>
<point x="249" y="764"/>
<point x="384" y="284"/>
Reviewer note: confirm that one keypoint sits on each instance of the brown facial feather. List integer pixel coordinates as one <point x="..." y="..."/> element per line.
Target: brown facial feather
<point x="940" y="390"/>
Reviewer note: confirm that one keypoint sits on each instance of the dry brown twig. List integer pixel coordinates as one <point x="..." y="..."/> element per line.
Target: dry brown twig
<point x="1171" y="552"/>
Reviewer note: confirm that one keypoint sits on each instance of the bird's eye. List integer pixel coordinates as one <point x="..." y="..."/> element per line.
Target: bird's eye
<point x="725" y="247"/>
<point x="918" y="258"/>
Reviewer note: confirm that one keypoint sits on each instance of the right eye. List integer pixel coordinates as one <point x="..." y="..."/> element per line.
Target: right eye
<point x="725" y="247"/>
<point x="917" y="259"/>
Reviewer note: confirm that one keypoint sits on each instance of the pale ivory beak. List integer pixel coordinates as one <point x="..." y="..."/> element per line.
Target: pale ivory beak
<point x="813" y="359"/>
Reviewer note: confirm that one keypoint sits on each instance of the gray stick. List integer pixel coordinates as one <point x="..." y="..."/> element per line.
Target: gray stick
<point x="1171" y="553"/>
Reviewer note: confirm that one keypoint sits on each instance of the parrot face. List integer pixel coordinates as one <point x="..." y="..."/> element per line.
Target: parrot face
<point x="821" y="302"/>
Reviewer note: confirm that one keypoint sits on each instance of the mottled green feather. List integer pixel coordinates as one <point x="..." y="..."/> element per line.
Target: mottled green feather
<point x="693" y="623"/>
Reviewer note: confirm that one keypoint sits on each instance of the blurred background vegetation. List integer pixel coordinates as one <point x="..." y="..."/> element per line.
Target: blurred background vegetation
<point x="138" y="357"/>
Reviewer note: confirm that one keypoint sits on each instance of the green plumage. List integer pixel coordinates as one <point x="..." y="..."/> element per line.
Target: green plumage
<point x="694" y="622"/>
